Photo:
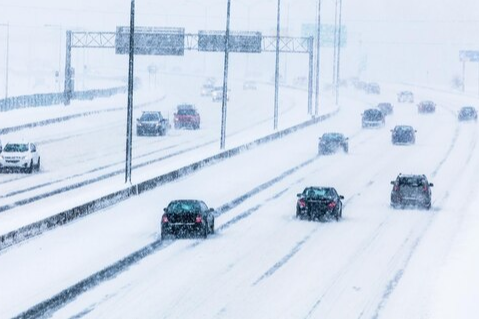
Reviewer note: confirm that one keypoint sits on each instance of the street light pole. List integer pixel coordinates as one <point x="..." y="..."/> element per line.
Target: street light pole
<point x="6" y="63"/>
<point x="129" y="121"/>
<point x="318" y="43"/>
<point x="225" y="77"/>
<point x="339" y="51"/>
<point x="276" y="75"/>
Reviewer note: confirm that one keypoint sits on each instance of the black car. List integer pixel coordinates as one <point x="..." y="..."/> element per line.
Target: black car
<point x="151" y="122"/>
<point x="332" y="142"/>
<point x="372" y="118"/>
<point x="186" y="217"/>
<point x="467" y="113"/>
<point x="403" y="134"/>
<point x="405" y="97"/>
<point x="426" y="107"/>
<point x="411" y="191"/>
<point x="319" y="203"/>
<point x="386" y="108"/>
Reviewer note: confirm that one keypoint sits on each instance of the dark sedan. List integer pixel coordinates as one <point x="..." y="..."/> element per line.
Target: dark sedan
<point x="467" y="113"/>
<point x="426" y="107"/>
<point x="403" y="134"/>
<point x="372" y="118"/>
<point x="319" y="203"/>
<point x="186" y="217"/>
<point x="332" y="142"/>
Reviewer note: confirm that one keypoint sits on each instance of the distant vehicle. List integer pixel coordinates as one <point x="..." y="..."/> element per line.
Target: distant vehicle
<point x="405" y="97"/>
<point x="319" y="203"/>
<point x="0" y="146"/>
<point x="332" y="142"/>
<point x="403" y="134"/>
<point x="466" y="113"/>
<point x="249" y="85"/>
<point x="372" y="118"/>
<point x="372" y="88"/>
<point x="411" y="191"/>
<point x="23" y="156"/>
<point x="386" y="108"/>
<point x="217" y="94"/>
<point x="185" y="217"/>
<point x="187" y="116"/>
<point x="151" y="122"/>
<point x="426" y="107"/>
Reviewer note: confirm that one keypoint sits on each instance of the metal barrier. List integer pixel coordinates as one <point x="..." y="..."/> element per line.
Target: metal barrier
<point x="48" y="99"/>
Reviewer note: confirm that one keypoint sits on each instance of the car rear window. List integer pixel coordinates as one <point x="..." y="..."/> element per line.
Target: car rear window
<point x="184" y="207"/>
<point x="375" y="115"/>
<point x="150" y="117"/>
<point x="186" y="112"/>
<point x="318" y="193"/>
<point x="412" y="181"/>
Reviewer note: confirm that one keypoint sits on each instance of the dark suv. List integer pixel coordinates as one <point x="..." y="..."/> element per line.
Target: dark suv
<point x="372" y="118"/>
<point x="411" y="191"/>
<point x="403" y="134"/>
<point x="151" y="122"/>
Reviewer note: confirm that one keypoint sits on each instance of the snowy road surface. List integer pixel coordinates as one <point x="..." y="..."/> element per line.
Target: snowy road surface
<point x="262" y="262"/>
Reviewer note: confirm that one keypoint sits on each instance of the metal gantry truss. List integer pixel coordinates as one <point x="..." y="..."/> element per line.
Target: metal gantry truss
<point x="106" y="40"/>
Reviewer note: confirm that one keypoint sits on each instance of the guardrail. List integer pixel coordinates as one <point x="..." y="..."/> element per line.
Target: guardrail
<point x="48" y="99"/>
<point x="65" y="217"/>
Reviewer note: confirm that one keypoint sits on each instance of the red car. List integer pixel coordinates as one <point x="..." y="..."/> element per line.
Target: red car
<point x="187" y="116"/>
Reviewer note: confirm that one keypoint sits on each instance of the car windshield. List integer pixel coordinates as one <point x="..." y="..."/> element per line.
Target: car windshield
<point x="16" y="148"/>
<point x="318" y="193"/>
<point x="186" y="112"/>
<point x="374" y="115"/>
<point x="385" y="105"/>
<point x="412" y="181"/>
<point x="184" y="207"/>
<point x="150" y="117"/>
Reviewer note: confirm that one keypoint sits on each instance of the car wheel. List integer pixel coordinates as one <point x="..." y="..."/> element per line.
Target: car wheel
<point x="38" y="165"/>
<point x="205" y="231"/>
<point x="212" y="228"/>
<point x="346" y="149"/>
<point x="30" y="168"/>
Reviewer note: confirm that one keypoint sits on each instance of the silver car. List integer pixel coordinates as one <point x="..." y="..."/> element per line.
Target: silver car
<point x="23" y="156"/>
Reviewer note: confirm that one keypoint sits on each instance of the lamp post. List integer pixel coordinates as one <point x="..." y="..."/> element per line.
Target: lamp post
<point x="339" y="51"/>
<point x="318" y="42"/>
<point x="225" y="77"/>
<point x="276" y="75"/>
<point x="129" y="121"/>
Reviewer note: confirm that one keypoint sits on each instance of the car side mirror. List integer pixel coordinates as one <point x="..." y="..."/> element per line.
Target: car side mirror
<point x="299" y="195"/>
<point x="138" y="120"/>
<point x="392" y="182"/>
<point x="415" y="131"/>
<point x="431" y="184"/>
<point x="341" y="196"/>
<point x="165" y="209"/>
<point x="347" y="138"/>
<point x="211" y="210"/>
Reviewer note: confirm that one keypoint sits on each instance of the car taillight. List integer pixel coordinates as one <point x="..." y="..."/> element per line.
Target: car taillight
<point x="396" y="188"/>
<point x="302" y="203"/>
<point x="198" y="219"/>
<point x="424" y="188"/>
<point x="332" y="205"/>
<point x="164" y="219"/>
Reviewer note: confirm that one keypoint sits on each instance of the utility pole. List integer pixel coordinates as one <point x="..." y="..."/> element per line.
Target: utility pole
<point x="225" y="77"/>
<point x="318" y="42"/>
<point x="129" y="117"/>
<point x="339" y="51"/>
<point x="276" y="75"/>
